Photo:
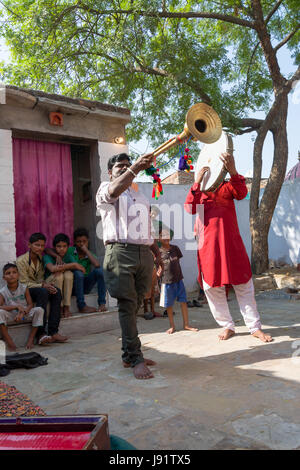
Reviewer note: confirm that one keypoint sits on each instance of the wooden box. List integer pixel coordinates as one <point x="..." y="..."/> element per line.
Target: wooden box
<point x="81" y="432"/>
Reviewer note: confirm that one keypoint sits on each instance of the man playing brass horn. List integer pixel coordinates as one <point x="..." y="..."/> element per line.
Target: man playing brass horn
<point x="128" y="261"/>
<point x="222" y="258"/>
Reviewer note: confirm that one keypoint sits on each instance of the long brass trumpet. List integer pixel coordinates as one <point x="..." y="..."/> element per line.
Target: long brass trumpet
<point x="201" y="122"/>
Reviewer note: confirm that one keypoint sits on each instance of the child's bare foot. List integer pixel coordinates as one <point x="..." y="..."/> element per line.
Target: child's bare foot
<point x="148" y="362"/>
<point x="141" y="371"/>
<point x="227" y="333"/>
<point x="57" y="338"/>
<point x="87" y="309"/>
<point x="171" y="330"/>
<point x="262" y="336"/>
<point x="66" y="312"/>
<point x="190" y="328"/>
<point x="102" y="308"/>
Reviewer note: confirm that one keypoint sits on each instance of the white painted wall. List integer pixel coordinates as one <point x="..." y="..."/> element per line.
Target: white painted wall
<point x="107" y="150"/>
<point x="174" y="195"/>
<point x="284" y="236"/>
<point x="7" y="207"/>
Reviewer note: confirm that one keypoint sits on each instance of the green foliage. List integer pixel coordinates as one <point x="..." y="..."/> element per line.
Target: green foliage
<point x="158" y="67"/>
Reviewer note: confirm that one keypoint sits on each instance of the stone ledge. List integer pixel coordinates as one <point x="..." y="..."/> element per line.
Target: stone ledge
<point x="74" y="326"/>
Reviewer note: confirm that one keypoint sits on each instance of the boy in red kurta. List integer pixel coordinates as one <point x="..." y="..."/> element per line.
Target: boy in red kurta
<point x="222" y="258"/>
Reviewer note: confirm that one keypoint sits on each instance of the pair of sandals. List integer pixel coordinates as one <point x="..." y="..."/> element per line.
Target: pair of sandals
<point x="194" y="303"/>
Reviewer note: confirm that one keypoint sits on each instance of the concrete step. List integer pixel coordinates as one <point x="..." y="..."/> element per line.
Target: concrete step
<point x="91" y="300"/>
<point x="76" y="325"/>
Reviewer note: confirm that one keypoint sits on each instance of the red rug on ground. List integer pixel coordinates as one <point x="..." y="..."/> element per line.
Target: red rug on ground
<point x="14" y="403"/>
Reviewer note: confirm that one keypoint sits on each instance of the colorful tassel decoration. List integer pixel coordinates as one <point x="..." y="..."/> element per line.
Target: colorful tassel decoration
<point x="157" y="186"/>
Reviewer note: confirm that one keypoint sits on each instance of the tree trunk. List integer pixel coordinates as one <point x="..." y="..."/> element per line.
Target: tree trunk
<point x="260" y="248"/>
<point x="261" y="213"/>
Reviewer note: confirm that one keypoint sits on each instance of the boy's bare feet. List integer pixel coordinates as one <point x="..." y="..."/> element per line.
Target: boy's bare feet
<point x="66" y="311"/>
<point x="148" y="362"/>
<point x="262" y="336"/>
<point x="141" y="371"/>
<point x="102" y="308"/>
<point x="171" y="330"/>
<point x="227" y="333"/>
<point x="190" y="328"/>
<point x="57" y="338"/>
<point x="87" y="309"/>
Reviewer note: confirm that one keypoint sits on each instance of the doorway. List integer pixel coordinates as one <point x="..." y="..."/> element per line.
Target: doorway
<point x="83" y="197"/>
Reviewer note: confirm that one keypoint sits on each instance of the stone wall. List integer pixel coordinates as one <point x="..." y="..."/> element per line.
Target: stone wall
<point x="7" y="208"/>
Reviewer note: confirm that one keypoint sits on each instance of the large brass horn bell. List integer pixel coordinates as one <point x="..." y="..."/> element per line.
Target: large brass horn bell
<point x="201" y="122"/>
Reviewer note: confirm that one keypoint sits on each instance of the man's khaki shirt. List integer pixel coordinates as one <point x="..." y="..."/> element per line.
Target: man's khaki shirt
<point x="31" y="275"/>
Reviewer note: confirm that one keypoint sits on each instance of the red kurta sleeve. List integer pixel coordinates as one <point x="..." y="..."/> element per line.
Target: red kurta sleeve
<point x="192" y="199"/>
<point x="237" y="184"/>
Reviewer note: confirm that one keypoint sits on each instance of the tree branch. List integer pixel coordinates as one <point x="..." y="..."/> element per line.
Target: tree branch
<point x="286" y="39"/>
<point x="265" y="41"/>
<point x="10" y="11"/>
<point x="171" y="15"/>
<point x="274" y="9"/>
<point x="294" y="78"/>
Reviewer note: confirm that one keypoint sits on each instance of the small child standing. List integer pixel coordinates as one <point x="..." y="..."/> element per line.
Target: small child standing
<point x="172" y="287"/>
<point x="16" y="305"/>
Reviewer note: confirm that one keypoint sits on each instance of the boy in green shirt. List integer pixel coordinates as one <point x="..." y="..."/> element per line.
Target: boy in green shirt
<point x="61" y="275"/>
<point x="83" y="283"/>
<point x="84" y="277"/>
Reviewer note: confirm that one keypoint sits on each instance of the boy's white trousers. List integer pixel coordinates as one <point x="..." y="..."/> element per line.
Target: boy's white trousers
<point x="216" y="297"/>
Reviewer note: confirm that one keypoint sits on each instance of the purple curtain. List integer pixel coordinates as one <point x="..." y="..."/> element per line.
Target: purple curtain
<point x="43" y="190"/>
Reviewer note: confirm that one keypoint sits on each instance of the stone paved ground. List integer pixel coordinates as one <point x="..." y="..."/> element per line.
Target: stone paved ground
<point x="206" y="394"/>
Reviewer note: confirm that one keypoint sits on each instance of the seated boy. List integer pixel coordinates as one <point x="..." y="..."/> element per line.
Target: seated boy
<point x="16" y="305"/>
<point x="31" y="272"/>
<point x="85" y="280"/>
<point x="172" y="287"/>
<point x="61" y="275"/>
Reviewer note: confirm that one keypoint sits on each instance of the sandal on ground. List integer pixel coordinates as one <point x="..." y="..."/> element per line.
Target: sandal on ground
<point x="196" y="303"/>
<point x="45" y="339"/>
<point x="148" y="316"/>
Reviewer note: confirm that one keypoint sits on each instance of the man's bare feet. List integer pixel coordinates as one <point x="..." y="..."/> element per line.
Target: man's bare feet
<point x="190" y="328"/>
<point x="262" y="336"/>
<point x="141" y="371"/>
<point x="66" y="311"/>
<point x="171" y="330"/>
<point x="102" y="308"/>
<point x="226" y="334"/>
<point x="57" y="338"/>
<point x="87" y="309"/>
<point x="148" y="362"/>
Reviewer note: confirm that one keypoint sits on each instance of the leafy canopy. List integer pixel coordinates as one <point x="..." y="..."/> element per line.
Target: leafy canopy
<point x="138" y="54"/>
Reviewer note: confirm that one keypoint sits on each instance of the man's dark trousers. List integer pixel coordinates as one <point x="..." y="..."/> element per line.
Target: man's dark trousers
<point x="128" y="272"/>
<point x="41" y="297"/>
